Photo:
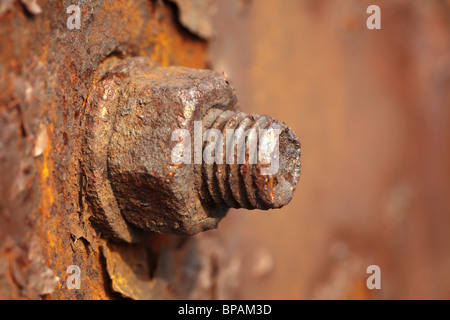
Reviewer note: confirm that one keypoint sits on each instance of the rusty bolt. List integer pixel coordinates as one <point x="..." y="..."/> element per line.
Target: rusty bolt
<point x="133" y="183"/>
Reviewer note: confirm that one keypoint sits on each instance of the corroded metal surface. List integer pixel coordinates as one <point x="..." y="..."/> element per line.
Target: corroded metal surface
<point x="46" y="71"/>
<point x="263" y="176"/>
<point x="133" y="185"/>
<point x="131" y="116"/>
<point x="371" y="107"/>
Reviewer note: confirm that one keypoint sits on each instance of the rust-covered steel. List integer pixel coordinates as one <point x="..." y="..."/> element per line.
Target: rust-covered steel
<point x="52" y="182"/>
<point x="133" y="185"/>
<point x="371" y="107"/>
<point x="46" y="73"/>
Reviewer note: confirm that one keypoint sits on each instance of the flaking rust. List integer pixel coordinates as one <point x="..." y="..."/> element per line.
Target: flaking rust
<point x="133" y="187"/>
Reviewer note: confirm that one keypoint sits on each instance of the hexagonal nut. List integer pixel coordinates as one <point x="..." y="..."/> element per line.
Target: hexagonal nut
<point x="134" y="185"/>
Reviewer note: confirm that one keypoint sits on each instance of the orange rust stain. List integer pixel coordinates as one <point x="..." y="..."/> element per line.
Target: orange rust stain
<point x="46" y="179"/>
<point x="161" y="52"/>
<point x="170" y="45"/>
<point x="48" y="224"/>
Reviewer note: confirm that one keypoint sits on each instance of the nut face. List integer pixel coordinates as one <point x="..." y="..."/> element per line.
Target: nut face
<point x="131" y="114"/>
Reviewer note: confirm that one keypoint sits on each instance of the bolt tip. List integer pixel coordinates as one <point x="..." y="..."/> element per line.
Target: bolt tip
<point x="277" y="181"/>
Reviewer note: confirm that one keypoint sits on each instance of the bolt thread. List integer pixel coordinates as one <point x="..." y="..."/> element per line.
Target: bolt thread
<point x="234" y="178"/>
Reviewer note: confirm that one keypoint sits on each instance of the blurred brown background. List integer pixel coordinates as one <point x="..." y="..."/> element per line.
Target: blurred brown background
<point x="371" y="108"/>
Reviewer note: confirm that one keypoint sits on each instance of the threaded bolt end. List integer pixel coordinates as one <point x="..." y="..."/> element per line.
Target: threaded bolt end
<point x="249" y="161"/>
